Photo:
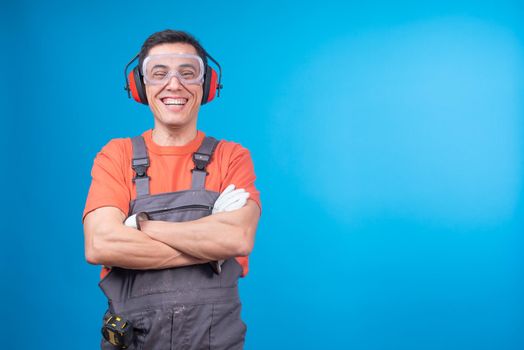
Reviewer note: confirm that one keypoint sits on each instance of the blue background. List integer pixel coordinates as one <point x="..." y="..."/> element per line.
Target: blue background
<point x="387" y="139"/>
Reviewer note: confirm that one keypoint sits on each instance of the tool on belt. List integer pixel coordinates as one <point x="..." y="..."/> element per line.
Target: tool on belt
<point x="118" y="331"/>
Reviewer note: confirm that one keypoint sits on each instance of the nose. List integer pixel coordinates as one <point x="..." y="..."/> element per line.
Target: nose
<point x="174" y="83"/>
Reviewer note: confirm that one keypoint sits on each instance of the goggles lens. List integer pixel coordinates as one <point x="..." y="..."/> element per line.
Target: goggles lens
<point x="160" y="69"/>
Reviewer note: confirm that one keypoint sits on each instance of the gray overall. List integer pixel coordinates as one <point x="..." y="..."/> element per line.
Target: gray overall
<point x="188" y="307"/>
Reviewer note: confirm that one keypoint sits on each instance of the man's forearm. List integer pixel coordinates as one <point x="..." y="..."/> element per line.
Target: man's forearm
<point x="142" y="253"/>
<point x="214" y="237"/>
<point x="193" y="237"/>
<point x="109" y="242"/>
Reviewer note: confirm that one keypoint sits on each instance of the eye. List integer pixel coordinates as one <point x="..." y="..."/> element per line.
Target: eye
<point x="159" y="74"/>
<point x="188" y="74"/>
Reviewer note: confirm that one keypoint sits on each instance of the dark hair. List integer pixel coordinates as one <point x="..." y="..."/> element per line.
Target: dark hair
<point x="169" y="36"/>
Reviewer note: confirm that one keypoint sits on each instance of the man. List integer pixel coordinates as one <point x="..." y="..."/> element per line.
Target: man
<point x="170" y="268"/>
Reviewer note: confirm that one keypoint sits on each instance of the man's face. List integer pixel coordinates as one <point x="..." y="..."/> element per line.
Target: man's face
<point x="173" y="103"/>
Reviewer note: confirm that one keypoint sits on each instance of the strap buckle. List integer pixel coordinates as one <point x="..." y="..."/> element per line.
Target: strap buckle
<point x="140" y="166"/>
<point x="137" y="162"/>
<point x="201" y="160"/>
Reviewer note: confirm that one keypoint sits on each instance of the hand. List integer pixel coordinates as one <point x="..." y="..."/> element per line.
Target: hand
<point x="135" y="220"/>
<point x="230" y="199"/>
<point x="131" y="221"/>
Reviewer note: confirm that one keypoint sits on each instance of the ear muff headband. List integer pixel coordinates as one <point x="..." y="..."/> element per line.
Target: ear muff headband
<point x="135" y="83"/>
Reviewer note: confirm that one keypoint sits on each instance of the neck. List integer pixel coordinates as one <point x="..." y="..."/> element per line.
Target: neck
<point x="166" y="136"/>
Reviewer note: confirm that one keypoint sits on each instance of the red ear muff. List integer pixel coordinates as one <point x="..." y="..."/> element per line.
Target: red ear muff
<point x="210" y="85"/>
<point x="213" y="85"/>
<point x="136" y="86"/>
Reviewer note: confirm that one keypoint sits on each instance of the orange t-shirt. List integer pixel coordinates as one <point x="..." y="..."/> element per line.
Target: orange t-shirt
<point x="169" y="171"/>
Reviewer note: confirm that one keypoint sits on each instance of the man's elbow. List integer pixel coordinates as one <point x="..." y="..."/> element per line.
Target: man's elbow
<point x="246" y="243"/>
<point x="95" y="249"/>
<point x="93" y="253"/>
<point x="92" y="257"/>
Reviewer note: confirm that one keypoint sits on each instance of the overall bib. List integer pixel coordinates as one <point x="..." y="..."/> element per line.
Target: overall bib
<point x="188" y="307"/>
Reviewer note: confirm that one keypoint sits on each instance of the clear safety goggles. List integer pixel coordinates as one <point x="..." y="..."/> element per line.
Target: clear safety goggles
<point x="160" y="69"/>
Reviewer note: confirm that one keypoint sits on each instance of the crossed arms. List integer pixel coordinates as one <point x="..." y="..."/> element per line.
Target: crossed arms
<point x="161" y="244"/>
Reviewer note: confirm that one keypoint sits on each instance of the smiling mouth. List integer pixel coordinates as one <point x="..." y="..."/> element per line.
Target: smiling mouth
<point x="169" y="101"/>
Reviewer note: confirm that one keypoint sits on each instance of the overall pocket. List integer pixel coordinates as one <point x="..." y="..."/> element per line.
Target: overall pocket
<point x="227" y="331"/>
<point x="191" y="326"/>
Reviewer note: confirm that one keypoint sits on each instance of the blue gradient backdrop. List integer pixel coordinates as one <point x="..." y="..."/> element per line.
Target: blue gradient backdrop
<point x="388" y="143"/>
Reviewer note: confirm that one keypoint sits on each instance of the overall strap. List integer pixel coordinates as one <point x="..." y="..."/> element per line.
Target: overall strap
<point x="201" y="158"/>
<point x="140" y="163"/>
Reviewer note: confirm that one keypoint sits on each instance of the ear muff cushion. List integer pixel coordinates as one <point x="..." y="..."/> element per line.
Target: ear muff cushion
<point x="205" y="87"/>
<point x="137" y="86"/>
<point x="210" y="85"/>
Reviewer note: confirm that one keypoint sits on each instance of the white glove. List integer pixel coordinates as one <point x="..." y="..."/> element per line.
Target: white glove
<point x="135" y="219"/>
<point x="230" y="199"/>
<point x="131" y="221"/>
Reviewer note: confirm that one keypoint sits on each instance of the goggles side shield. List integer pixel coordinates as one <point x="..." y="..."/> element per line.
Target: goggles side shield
<point x="160" y="69"/>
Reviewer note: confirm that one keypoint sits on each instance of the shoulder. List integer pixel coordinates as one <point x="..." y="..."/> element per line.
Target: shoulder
<point x="116" y="150"/>
<point x="232" y="155"/>
<point x="117" y="145"/>
<point x="231" y="149"/>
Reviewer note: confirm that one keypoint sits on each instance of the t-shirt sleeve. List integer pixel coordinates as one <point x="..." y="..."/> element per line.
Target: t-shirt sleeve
<point x="108" y="184"/>
<point x="241" y="173"/>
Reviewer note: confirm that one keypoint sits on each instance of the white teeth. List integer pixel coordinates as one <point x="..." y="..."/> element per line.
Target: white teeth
<point x="174" y="101"/>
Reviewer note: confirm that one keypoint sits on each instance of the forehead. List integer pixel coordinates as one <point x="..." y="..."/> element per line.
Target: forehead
<point x="183" y="48"/>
